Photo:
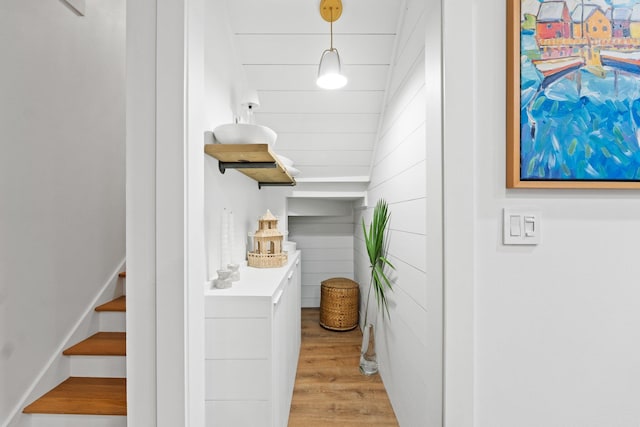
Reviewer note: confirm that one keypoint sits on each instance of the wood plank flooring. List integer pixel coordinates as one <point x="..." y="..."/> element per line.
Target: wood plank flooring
<point x="329" y="388"/>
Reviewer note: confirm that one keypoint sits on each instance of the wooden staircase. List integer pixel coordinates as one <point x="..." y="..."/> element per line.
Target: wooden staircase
<point x="96" y="392"/>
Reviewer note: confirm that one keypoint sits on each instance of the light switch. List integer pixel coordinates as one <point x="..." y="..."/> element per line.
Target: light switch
<point x="521" y="227"/>
<point x="529" y="226"/>
<point x="514" y="228"/>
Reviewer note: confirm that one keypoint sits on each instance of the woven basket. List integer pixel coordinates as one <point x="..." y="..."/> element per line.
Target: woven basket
<point x="339" y="304"/>
<point x="266" y="260"/>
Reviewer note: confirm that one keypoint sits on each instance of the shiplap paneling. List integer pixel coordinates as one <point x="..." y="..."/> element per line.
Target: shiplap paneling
<point x="413" y="186"/>
<point x="322" y="211"/>
<point x="302" y="77"/>
<point x="399" y="175"/>
<point x="414" y="15"/>
<point x="314" y="279"/>
<point x="294" y="142"/>
<point x="319" y="254"/>
<point x="327" y="158"/>
<point x="409" y="215"/>
<point x="410" y="85"/>
<point x="321" y="240"/>
<point x="279" y="44"/>
<point x="318" y="102"/>
<point x="408" y="52"/>
<point x="321" y="171"/>
<point x="407" y="153"/>
<point x="402" y="306"/>
<point x="323" y="266"/>
<point x="409" y="118"/>
<point x="307" y="48"/>
<point x="408" y="247"/>
<point x="400" y="354"/>
<point x="322" y="231"/>
<point x="359" y="16"/>
<point x="322" y="228"/>
<point x="411" y="280"/>
<point x="311" y="291"/>
<point x="319" y="123"/>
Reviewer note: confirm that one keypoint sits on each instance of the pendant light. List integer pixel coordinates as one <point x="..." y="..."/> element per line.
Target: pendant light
<point x="330" y="69"/>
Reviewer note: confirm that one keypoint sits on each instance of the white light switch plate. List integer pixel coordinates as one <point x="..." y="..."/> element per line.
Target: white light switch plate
<point x="521" y="226"/>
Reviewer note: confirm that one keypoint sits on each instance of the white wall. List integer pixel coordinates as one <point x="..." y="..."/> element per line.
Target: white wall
<point x="141" y="208"/>
<point x="233" y="191"/>
<point x="556" y="325"/>
<point x="326" y="243"/>
<point x="62" y="185"/>
<point x="399" y="176"/>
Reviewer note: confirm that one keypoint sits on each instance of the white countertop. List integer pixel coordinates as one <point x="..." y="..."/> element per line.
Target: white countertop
<point x="257" y="282"/>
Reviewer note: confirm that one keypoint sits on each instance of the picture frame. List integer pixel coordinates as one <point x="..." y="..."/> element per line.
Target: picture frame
<point x="573" y="94"/>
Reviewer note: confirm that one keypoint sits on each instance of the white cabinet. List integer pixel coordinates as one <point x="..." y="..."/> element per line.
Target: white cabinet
<point x="252" y="345"/>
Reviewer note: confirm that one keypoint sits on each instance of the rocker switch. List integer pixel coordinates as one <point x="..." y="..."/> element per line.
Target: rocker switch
<point x="514" y="226"/>
<point x="529" y="226"/>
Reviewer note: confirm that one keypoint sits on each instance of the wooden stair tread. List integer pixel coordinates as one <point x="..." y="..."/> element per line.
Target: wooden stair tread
<point x="118" y="304"/>
<point x="100" y="344"/>
<point x="122" y="274"/>
<point x="84" y="396"/>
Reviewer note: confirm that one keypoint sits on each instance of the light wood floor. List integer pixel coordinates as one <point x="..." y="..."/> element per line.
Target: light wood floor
<point x="329" y="388"/>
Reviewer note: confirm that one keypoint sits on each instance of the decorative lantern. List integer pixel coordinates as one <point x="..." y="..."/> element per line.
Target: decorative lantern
<point x="267" y="244"/>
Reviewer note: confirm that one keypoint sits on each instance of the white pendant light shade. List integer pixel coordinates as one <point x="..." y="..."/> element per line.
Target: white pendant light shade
<point x="330" y="70"/>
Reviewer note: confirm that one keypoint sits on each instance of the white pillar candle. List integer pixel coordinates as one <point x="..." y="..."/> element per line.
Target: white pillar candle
<point x="231" y="235"/>
<point x="224" y="240"/>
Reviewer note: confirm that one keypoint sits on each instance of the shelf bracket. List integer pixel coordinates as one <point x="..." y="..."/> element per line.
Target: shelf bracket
<point x="275" y="184"/>
<point x="223" y="166"/>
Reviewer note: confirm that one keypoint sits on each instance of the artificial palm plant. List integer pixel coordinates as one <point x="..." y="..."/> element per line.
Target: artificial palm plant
<point x="376" y="243"/>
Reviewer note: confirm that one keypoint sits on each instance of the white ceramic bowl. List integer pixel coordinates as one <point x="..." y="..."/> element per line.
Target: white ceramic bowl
<point x="244" y="133"/>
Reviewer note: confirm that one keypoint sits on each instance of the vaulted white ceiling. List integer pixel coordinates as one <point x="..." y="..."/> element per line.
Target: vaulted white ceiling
<point x="329" y="135"/>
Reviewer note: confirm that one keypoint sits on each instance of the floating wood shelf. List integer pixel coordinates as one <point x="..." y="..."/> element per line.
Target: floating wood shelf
<point x="256" y="161"/>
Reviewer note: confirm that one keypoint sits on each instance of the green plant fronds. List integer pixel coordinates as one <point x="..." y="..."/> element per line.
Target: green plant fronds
<point x="375" y="242"/>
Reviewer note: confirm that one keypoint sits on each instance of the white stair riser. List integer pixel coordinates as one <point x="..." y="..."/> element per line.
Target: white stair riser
<point x="113" y="321"/>
<point x="54" y="420"/>
<point x="98" y="366"/>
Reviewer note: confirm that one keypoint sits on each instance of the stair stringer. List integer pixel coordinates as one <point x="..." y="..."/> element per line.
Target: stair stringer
<point x="58" y="368"/>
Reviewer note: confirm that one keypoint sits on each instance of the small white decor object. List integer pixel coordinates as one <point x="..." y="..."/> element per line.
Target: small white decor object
<point x="224" y="279"/>
<point x="225" y="249"/>
<point x="267" y="244"/>
<point x="235" y="272"/>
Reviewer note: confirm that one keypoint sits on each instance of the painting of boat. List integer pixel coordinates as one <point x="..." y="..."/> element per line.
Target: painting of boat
<point x="554" y="68"/>
<point x="574" y="104"/>
<point x="623" y="60"/>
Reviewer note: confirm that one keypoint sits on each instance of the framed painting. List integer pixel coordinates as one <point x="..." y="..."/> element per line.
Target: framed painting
<point x="573" y="94"/>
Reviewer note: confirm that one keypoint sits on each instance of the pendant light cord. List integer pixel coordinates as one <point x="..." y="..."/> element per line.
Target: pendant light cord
<point x="331" y="26"/>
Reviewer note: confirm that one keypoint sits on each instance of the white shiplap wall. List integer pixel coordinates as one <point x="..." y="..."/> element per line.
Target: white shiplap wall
<point x="327" y="251"/>
<point x="327" y="133"/>
<point x="399" y="176"/>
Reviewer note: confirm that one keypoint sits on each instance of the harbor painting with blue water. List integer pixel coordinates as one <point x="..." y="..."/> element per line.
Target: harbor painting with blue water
<point x="580" y="90"/>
